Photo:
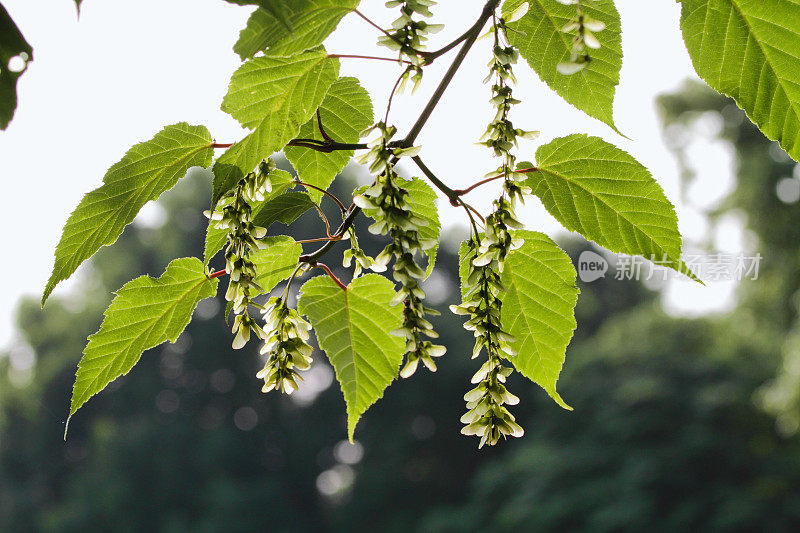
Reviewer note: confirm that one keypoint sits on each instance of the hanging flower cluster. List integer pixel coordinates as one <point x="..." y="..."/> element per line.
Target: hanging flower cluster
<point x="583" y="25"/>
<point x="361" y="259"/>
<point x="408" y="36"/>
<point x="234" y="213"/>
<point x="487" y="415"/>
<point x="501" y="135"/>
<point x="286" y="344"/>
<point x="386" y="201"/>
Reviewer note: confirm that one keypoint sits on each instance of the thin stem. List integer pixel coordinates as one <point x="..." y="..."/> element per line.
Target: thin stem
<point x="450" y="193"/>
<point x="391" y="96"/>
<point x="386" y="33"/>
<point x="333" y="197"/>
<point x="461" y="192"/>
<point x="454" y="196"/>
<point x="469" y="40"/>
<point x="221" y="145"/>
<point x="285" y="293"/>
<point x="324" y="267"/>
<point x="476" y="185"/>
<point x="322" y="128"/>
<point x="217" y="274"/>
<point x="478" y="213"/>
<point x="324" y="219"/>
<point x="356" y="56"/>
<point x="320" y="239"/>
<point x="340" y="231"/>
<point x="471" y="220"/>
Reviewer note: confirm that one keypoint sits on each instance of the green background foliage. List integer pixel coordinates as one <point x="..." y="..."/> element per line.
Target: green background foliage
<point x="12" y="44"/>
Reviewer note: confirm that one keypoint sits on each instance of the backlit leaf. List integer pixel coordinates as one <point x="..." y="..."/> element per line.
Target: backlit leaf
<point x="346" y="112"/>
<point x="750" y="50"/>
<point x="147" y="170"/>
<point x="538" y="309"/>
<point x="541" y="42"/>
<point x="352" y="327"/>
<point x="273" y="96"/>
<point x="144" y="313"/>
<point x="598" y="190"/>
<point x="276" y="261"/>
<point x="307" y="24"/>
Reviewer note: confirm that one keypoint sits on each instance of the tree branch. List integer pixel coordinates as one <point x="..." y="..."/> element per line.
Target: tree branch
<point x="450" y="193"/>
<point x="477" y="27"/>
<point x="470" y="38"/>
<point x="461" y="192"/>
<point x="340" y="231"/>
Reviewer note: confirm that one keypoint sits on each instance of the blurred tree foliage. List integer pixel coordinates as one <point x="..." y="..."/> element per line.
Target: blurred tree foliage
<point x="766" y="197"/>
<point x="665" y="435"/>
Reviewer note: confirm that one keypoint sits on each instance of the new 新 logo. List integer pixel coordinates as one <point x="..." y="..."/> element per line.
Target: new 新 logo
<point x="591" y="266"/>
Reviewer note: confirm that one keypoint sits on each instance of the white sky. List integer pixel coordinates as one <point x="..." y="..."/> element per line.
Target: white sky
<point x="115" y="77"/>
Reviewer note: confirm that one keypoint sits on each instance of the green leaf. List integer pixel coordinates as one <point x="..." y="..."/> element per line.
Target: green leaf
<point x="308" y="24"/>
<point x="286" y="208"/>
<point x="464" y="261"/>
<point x="539" y="309"/>
<point x="147" y="170"/>
<point x="274" y="8"/>
<point x="216" y="238"/>
<point x="598" y="190"/>
<point x="352" y="327"/>
<point x="541" y="42"/>
<point x="422" y="200"/>
<point x="144" y="313"/>
<point x="273" y="96"/>
<point x="750" y="50"/>
<point x="346" y="112"/>
<point x="12" y="44"/>
<point x="277" y="261"/>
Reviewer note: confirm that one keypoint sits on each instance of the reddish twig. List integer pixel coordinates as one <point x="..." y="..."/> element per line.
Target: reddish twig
<point x="221" y="145"/>
<point x="333" y="197"/>
<point x="386" y="33"/>
<point x="330" y="273"/>
<point x="461" y="192"/>
<point x="217" y="274"/>
<point x="324" y="219"/>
